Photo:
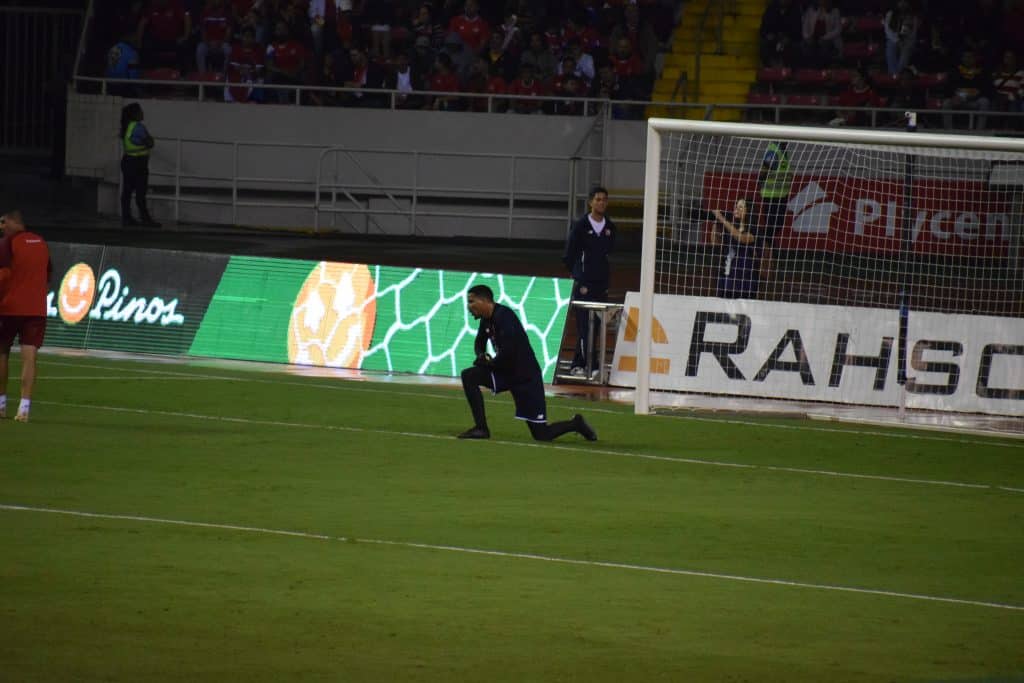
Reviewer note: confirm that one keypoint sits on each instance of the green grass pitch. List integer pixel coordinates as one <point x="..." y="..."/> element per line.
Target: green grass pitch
<point x="143" y="514"/>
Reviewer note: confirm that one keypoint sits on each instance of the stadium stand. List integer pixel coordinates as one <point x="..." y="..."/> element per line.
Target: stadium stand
<point x="319" y="38"/>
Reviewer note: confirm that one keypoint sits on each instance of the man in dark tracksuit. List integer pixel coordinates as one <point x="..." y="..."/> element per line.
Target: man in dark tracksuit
<point x="513" y="368"/>
<point x="591" y="239"/>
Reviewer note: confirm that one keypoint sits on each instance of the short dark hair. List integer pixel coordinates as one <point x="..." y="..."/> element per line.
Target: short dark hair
<point x="482" y="292"/>
<point x="597" y="189"/>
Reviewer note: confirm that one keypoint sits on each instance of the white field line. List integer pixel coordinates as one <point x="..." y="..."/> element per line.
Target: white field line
<point x="349" y="385"/>
<point x="519" y="556"/>
<point x="525" y="444"/>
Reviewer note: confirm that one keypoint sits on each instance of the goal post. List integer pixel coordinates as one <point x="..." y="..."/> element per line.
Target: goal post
<point x="868" y="264"/>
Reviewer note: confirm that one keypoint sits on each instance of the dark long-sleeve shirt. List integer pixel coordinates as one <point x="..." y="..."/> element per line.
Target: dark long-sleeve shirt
<point x="514" y="358"/>
<point x="586" y="252"/>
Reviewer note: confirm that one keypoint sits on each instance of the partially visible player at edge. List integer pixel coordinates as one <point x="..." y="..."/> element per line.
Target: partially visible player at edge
<point x="26" y="268"/>
<point x="513" y="368"/>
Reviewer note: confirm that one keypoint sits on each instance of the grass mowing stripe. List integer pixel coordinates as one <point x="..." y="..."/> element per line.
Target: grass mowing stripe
<point x="573" y="449"/>
<point x="518" y="555"/>
<point x="348" y="385"/>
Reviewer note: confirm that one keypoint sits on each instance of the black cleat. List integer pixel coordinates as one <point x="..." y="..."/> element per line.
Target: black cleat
<point x="475" y="433"/>
<point x="585" y="430"/>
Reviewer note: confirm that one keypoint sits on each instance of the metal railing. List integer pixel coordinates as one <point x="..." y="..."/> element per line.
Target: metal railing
<point x="1009" y="123"/>
<point x="343" y="195"/>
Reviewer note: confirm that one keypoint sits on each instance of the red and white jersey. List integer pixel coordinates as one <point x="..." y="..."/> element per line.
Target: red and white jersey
<point x="214" y="25"/>
<point x="474" y="32"/>
<point x="167" y="24"/>
<point x="289" y="56"/>
<point x="28" y="258"/>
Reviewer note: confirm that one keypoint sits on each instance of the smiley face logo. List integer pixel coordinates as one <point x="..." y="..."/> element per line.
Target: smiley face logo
<point x="332" y="320"/>
<point x="77" y="290"/>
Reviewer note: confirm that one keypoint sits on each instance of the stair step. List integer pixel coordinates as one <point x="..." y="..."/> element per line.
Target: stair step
<point x="726" y="61"/>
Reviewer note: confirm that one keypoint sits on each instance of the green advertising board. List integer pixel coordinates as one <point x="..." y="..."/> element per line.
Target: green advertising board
<point x="344" y="315"/>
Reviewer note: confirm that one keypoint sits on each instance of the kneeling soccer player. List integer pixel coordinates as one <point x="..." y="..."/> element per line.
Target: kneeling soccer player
<point x="514" y="368"/>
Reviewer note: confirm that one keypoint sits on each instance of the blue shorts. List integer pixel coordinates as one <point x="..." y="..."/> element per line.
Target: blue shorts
<point x="528" y="397"/>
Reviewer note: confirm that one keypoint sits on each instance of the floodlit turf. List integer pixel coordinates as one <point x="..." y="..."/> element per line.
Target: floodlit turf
<point x="623" y="560"/>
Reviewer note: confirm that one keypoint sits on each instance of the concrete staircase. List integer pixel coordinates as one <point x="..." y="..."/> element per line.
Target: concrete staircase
<point x="724" y="78"/>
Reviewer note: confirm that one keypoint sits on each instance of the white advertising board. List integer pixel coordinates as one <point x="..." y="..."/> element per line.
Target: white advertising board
<point x="842" y="354"/>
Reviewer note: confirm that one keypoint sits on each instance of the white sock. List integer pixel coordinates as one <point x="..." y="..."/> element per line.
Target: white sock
<point x="25" y="404"/>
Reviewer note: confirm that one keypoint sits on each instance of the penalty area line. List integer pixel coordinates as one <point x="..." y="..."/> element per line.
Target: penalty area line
<point x="519" y="556"/>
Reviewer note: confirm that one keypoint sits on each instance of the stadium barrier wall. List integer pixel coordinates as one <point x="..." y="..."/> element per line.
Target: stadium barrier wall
<point x="328" y="314"/>
<point x="840" y="354"/>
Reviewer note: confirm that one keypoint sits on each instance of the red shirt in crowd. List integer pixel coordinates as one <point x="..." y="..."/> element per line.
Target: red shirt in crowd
<point x="28" y="258"/>
<point x="448" y="82"/>
<point x="166" y="24"/>
<point x="474" y="32"/>
<point x="624" y="68"/>
<point x="288" y="56"/>
<point x="214" y="25"/>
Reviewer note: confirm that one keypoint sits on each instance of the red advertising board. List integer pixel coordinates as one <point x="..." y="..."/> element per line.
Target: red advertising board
<point x="834" y="213"/>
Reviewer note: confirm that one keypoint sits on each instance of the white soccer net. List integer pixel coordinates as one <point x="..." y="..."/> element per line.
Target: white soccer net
<point x="795" y="290"/>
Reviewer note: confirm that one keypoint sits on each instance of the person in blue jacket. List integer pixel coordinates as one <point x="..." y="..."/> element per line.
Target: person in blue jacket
<point x="591" y="239"/>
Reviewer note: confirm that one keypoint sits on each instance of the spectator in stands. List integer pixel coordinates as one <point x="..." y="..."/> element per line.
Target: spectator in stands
<point x="972" y="89"/>
<point x="329" y="77"/>
<point x="1008" y="83"/>
<point x="540" y="57"/>
<point x="569" y="86"/>
<point x="362" y="72"/>
<point x="822" y="33"/>
<point x="246" y="67"/>
<point x="780" y="33"/>
<point x="379" y="14"/>
<point x="640" y="35"/>
<point x="485" y="78"/>
<point x="422" y="58"/>
<point x="1013" y="24"/>
<point x="982" y="28"/>
<point x="322" y="14"/>
<point x="471" y="27"/>
<point x="901" y="26"/>
<point x="907" y="96"/>
<point x="444" y="80"/>
<point x="584" y="62"/>
<point x="424" y="26"/>
<point x="286" y="62"/>
<point x="527" y="85"/>
<point x="513" y="34"/>
<point x="164" y="33"/>
<point x="500" y="58"/>
<point x="214" y="35"/>
<point x="859" y="94"/>
<point x="460" y="56"/>
<point x="123" y="62"/>
<point x="406" y="80"/>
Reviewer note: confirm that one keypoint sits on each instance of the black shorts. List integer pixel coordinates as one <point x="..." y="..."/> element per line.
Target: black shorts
<point x="528" y="397"/>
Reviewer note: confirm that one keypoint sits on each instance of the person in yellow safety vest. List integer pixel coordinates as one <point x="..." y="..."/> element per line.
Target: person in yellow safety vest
<point x="774" y="182"/>
<point x="135" y="166"/>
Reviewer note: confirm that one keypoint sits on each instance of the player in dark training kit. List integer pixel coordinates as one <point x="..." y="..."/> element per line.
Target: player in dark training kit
<point x="513" y="368"/>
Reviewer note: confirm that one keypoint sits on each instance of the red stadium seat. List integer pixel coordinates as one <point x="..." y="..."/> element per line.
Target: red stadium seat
<point x="884" y="80"/>
<point x="842" y="76"/>
<point x="931" y="80"/>
<point x="774" y="74"/>
<point x="164" y="73"/>
<point x="812" y="76"/>
<point x="856" y="50"/>
<point x="807" y="100"/>
<point x="763" y="98"/>
<point x="867" y="24"/>
<point x="206" y="77"/>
